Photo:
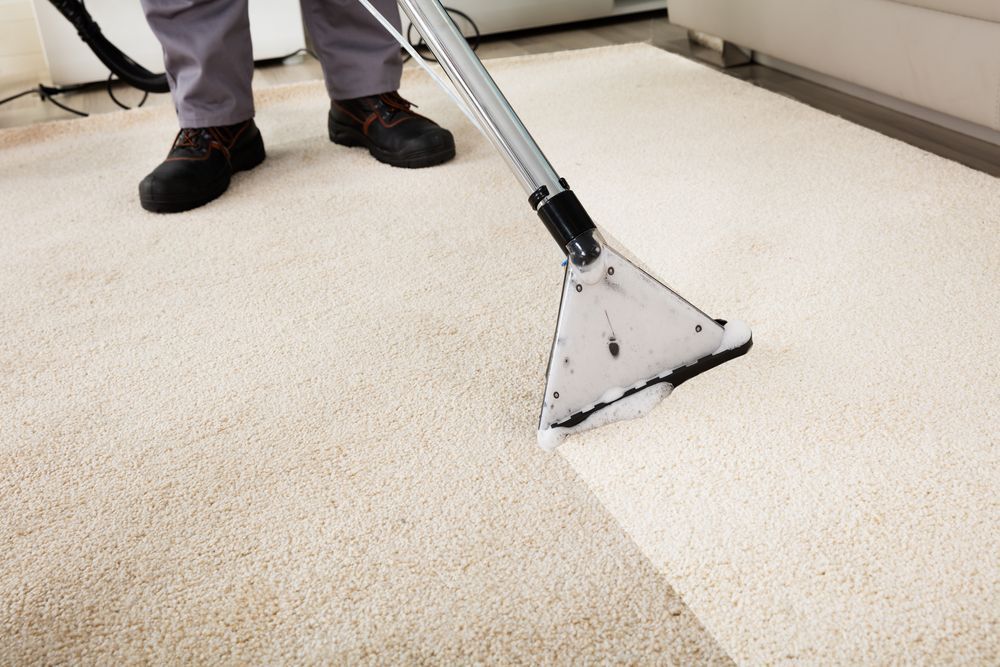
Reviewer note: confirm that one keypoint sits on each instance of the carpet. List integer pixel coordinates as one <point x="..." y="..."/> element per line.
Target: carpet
<point x="297" y="425"/>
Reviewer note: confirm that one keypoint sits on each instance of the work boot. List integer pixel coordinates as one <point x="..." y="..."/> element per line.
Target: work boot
<point x="199" y="166"/>
<point x="391" y="132"/>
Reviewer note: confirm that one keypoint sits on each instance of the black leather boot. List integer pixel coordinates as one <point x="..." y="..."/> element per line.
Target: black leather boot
<point x="199" y="166"/>
<point x="392" y="133"/>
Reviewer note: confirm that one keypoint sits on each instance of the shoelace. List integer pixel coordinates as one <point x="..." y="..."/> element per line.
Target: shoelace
<point x="201" y="137"/>
<point x="389" y="104"/>
<point x="188" y="137"/>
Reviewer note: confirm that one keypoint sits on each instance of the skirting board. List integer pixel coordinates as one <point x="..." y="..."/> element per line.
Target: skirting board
<point x="923" y="113"/>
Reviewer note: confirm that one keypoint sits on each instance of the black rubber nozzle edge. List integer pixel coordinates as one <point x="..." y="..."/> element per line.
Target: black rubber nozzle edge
<point x="675" y="379"/>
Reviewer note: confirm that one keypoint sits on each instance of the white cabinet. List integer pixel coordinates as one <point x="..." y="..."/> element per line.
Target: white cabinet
<point x="494" y="16"/>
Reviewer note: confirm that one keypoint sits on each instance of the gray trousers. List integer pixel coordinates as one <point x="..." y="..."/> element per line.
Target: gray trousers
<point x="209" y="58"/>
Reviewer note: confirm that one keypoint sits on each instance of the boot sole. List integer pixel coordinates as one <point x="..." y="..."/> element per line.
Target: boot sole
<point x="245" y="159"/>
<point x="345" y="135"/>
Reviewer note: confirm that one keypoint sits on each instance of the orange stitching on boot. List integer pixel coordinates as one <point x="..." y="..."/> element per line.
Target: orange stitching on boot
<point x="396" y="122"/>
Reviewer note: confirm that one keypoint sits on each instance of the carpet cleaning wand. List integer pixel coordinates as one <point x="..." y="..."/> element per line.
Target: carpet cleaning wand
<point x="623" y="340"/>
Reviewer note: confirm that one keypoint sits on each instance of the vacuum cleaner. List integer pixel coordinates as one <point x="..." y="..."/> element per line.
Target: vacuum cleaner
<point x="623" y="340"/>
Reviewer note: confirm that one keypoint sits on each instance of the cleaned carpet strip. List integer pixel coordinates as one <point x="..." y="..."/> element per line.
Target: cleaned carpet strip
<point x="833" y="496"/>
<point x="297" y="425"/>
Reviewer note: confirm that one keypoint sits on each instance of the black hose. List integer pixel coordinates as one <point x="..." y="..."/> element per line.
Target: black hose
<point x="124" y="67"/>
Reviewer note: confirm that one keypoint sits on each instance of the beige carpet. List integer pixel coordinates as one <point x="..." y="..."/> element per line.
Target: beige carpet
<point x="298" y="424"/>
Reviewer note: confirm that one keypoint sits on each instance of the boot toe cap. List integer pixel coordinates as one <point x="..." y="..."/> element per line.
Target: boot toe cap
<point x="435" y="140"/>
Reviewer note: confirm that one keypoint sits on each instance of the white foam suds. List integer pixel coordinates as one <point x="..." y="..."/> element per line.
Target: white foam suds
<point x="637" y="405"/>
<point x="734" y="334"/>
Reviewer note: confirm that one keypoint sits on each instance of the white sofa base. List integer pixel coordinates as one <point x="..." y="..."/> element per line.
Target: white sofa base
<point x="938" y="61"/>
<point x="974" y="130"/>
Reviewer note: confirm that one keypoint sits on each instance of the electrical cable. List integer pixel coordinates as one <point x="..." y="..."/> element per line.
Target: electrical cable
<point x="48" y="93"/>
<point x="21" y="94"/>
<point x="421" y="46"/>
<point x="50" y="98"/>
<point x="111" y="94"/>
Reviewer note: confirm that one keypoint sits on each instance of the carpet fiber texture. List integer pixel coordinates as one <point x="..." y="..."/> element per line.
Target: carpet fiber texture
<point x="296" y="425"/>
<point x="299" y="423"/>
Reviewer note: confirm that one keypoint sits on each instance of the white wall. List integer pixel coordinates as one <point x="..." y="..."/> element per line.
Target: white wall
<point x="22" y="63"/>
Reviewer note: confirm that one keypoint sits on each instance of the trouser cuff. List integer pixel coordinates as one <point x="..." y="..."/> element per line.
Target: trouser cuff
<point x="364" y="90"/>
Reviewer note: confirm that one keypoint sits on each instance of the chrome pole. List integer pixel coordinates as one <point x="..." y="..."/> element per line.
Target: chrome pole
<point x="475" y="85"/>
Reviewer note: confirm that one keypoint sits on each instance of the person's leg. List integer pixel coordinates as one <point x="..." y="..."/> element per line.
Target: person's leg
<point x="362" y="67"/>
<point x="208" y="58"/>
<point x="359" y="58"/>
<point x="209" y="63"/>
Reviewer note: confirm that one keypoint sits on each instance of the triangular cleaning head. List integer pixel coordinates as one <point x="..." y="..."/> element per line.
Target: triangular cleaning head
<point x="623" y="341"/>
